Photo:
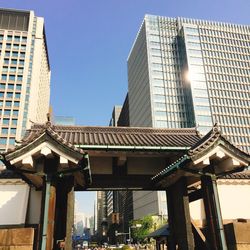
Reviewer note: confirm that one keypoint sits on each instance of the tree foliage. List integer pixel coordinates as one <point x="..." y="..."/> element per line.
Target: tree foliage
<point x="141" y="228"/>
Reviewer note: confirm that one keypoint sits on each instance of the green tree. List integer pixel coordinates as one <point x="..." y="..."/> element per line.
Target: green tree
<point x="141" y="228"/>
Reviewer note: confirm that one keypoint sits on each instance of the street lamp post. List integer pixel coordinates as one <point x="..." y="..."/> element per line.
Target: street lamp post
<point x="129" y="231"/>
<point x="133" y="226"/>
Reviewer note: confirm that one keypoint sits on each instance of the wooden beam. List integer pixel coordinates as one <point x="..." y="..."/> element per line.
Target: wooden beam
<point x="195" y="195"/>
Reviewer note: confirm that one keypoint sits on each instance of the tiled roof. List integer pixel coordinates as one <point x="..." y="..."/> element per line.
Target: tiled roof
<point x="210" y="138"/>
<point x="205" y="141"/>
<point x="238" y="175"/>
<point x="119" y="136"/>
<point x="199" y="148"/>
<point x="8" y="174"/>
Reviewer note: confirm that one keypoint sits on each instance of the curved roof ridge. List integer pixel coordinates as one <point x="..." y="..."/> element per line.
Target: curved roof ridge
<point x="116" y="136"/>
<point x="48" y="129"/>
<point x="206" y="140"/>
<point x="213" y="135"/>
<point x="138" y="130"/>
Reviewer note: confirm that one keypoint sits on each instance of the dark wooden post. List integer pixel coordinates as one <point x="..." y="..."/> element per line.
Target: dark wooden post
<point x="214" y="223"/>
<point x="47" y="218"/>
<point x="51" y="218"/>
<point x="171" y="243"/>
<point x="64" y="212"/>
<point x="181" y="234"/>
<point x="70" y="219"/>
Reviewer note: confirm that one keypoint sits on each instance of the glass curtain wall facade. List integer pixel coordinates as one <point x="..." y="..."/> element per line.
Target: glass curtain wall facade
<point x="25" y="74"/>
<point x="186" y="72"/>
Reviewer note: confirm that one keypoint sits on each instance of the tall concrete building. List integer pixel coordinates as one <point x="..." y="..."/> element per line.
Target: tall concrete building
<point x="115" y="116"/>
<point x="185" y="73"/>
<point x="101" y="210"/>
<point x="25" y="74"/>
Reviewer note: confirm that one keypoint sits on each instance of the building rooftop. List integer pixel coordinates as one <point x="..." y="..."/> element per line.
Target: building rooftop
<point x="120" y="136"/>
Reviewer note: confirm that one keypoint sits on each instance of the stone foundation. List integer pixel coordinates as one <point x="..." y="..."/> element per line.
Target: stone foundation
<point x="17" y="239"/>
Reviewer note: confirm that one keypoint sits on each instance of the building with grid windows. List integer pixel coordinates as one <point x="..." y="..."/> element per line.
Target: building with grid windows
<point x="25" y="74"/>
<point x="186" y="73"/>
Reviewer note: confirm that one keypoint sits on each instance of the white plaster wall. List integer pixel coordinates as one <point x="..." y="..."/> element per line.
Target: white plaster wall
<point x="13" y="202"/>
<point x="196" y="212"/>
<point x="34" y="208"/>
<point x="235" y="200"/>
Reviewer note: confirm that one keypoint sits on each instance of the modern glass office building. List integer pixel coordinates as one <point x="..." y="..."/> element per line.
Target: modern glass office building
<point x="186" y="72"/>
<point x="24" y="74"/>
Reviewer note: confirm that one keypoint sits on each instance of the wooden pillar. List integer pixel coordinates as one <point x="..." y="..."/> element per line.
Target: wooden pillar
<point x="51" y="218"/>
<point x="181" y="235"/>
<point x="171" y="242"/>
<point x="215" y="230"/>
<point x="48" y="214"/>
<point x="47" y="219"/>
<point x="70" y="219"/>
<point x="64" y="212"/>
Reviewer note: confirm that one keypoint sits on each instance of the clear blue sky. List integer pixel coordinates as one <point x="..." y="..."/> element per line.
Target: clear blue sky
<point x="89" y="41"/>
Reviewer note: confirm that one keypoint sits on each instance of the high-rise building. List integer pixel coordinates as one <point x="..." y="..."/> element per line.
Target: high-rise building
<point x="64" y="120"/>
<point x="101" y="203"/>
<point x="115" y="116"/>
<point x="25" y="74"/>
<point x="119" y="203"/>
<point x="186" y="72"/>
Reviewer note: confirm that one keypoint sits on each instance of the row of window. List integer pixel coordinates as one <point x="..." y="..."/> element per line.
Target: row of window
<point x="9" y="103"/>
<point x="14" y="54"/>
<point x="169" y="90"/>
<point x="233" y="121"/>
<point x="6" y="77"/>
<point x="7" y="130"/>
<point x="227" y="55"/>
<point x="10" y="95"/>
<point x="226" y="41"/>
<point x="225" y="48"/>
<point x="3" y="141"/>
<point x="225" y="102"/>
<point x="230" y="68"/>
<point x="7" y="112"/>
<point x="228" y="86"/>
<point x="18" y="70"/>
<point x="13" y="61"/>
<point x="170" y="124"/>
<point x="237" y="112"/>
<point x="230" y="94"/>
<point x="237" y="130"/>
<point x="7" y="121"/>
<point x="228" y="79"/>
<point x="14" y="46"/>
<point x="14" y="38"/>
<point x="10" y="86"/>
<point x="200" y="93"/>
<point x="233" y="34"/>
